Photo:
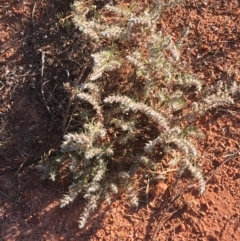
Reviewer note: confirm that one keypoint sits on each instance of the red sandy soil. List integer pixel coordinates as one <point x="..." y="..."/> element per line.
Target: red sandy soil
<point x="29" y="206"/>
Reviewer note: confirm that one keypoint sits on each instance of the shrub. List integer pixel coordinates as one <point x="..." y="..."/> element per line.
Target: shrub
<point x="121" y="131"/>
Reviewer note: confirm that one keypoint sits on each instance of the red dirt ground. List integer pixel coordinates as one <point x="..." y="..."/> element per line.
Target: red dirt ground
<point x="29" y="206"/>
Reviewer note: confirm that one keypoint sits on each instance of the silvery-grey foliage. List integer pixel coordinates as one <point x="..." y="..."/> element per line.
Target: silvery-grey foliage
<point x="104" y="61"/>
<point x="165" y="106"/>
<point x="128" y="104"/>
